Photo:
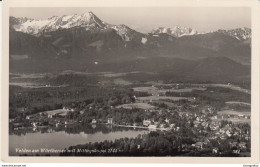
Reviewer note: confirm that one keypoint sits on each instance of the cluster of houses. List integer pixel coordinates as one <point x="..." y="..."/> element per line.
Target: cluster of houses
<point x="50" y="114"/>
<point x="41" y="115"/>
<point x="235" y="147"/>
<point x="109" y="121"/>
<point x="201" y="123"/>
<point x="215" y="131"/>
<point x="233" y="116"/>
<point x="35" y="122"/>
<point x="151" y="124"/>
<point x="68" y="109"/>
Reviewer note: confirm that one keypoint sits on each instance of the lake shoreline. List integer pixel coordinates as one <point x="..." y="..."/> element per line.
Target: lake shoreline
<point x="138" y="127"/>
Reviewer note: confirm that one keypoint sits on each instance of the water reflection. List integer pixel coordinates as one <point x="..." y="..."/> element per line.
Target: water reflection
<point x="74" y="129"/>
<point x="62" y="137"/>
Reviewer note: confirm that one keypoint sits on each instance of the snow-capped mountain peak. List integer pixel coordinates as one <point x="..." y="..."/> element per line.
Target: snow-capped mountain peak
<point x="87" y="20"/>
<point x="124" y="31"/>
<point x="238" y="33"/>
<point x="176" y="31"/>
<point x="89" y="17"/>
<point x="36" y="26"/>
<point x="90" y="21"/>
<point x="15" y="21"/>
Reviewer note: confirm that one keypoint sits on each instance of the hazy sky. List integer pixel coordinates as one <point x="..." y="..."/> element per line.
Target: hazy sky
<point x="144" y="19"/>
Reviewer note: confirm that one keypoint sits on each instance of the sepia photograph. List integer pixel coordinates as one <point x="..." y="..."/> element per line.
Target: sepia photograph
<point x="159" y="81"/>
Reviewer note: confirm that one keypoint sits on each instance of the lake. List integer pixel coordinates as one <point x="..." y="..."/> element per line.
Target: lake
<point x="61" y="138"/>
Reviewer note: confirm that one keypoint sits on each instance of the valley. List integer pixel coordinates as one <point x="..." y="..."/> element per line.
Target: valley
<point x="211" y="112"/>
<point x="81" y="86"/>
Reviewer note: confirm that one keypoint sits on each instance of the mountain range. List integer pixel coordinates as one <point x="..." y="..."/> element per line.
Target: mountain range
<point x="86" y="43"/>
<point x="90" y="21"/>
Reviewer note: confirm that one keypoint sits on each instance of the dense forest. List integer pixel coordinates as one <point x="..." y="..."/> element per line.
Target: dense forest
<point x="28" y="101"/>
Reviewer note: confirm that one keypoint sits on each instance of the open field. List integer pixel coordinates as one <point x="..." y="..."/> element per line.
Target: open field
<point x="184" y="90"/>
<point x="113" y="74"/>
<point x="22" y="76"/>
<point x="120" y="81"/>
<point x="236" y="121"/>
<point x="33" y="85"/>
<point x="26" y="84"/>
<point x="231" y="112"/>
<point x="169" y="104"/>
<point x="156" y="98"/>
<point x="238" y="103"/>
<point x="230" y="86"/>
<point x="233" y="87"/>
<point x="148" y="89"/>
<point x="144" y="106"/>
<point x="155" y="90"/>
<point x="62" y="112"/>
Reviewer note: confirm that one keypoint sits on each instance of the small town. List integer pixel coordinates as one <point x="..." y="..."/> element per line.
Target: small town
<point x="201" y="128"/>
